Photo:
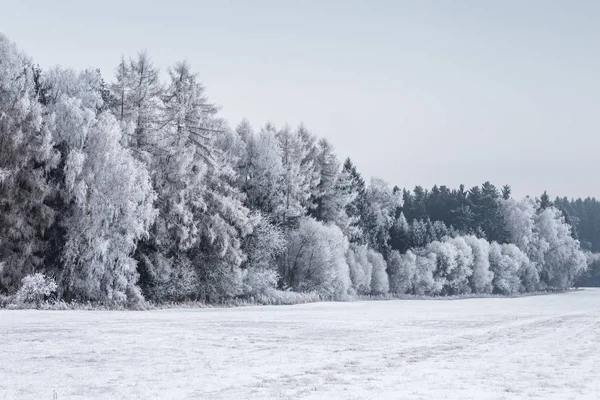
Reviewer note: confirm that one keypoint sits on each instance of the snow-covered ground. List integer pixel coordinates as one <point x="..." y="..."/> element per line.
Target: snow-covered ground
<point x="545" y="347"/>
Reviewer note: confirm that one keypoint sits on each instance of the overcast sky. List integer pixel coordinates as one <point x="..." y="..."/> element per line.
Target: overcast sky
<point x="419" y="92"/>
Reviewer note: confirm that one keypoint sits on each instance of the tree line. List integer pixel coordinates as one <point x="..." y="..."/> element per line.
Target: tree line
<point x="135" y="189"/>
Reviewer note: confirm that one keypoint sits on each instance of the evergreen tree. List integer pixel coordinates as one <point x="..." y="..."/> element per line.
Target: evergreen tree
<point x="356" y="208"/>
<point x="296" y="180"/>
<point x="545" y="201"/>
<point x="27" y="156"/>
<point x="506" y="192"/>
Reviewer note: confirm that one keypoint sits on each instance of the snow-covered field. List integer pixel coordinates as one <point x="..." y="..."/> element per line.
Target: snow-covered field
<point x="502" y="348"/>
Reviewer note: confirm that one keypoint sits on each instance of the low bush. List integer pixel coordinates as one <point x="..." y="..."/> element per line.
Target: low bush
<point x="35" y="289"/>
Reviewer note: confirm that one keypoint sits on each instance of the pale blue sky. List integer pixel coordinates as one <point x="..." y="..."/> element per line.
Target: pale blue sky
<point x="417" y="92"/>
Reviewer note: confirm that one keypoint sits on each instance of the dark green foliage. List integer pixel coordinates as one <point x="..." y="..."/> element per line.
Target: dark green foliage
<point x="545" y="201"/>
<point x="356" y="209"/>
<point x="591" y="278"/>
<point x="506" y="192"/>
<point x="474" y="211"/>
<point x="584" y="216"/>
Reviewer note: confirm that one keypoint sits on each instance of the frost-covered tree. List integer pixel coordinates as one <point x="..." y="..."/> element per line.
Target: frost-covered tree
<point x="454" y="260"/>
<point x="382" y="205"/>
<point x="315" y="259"/>
<point x="361" y="269"/>
<point x="138" y="94"/>
<point x="109" y="195"/>
<point x="264" y="181"/>
<point x="425" y="282"/>
<point x="121" y="89"/>
<point x="481" y="279"/>
<point x="413" y="272"/>
<point x="402" y="271"/>
<point x="379" y="278"/>
<point x="545" y="237"/>
<point x="563" y="260"/>
<point x="296" y="178"/>
<point x="505" y="263"/>
<point x="519" y="218"/>
<point x="262" y="247"/>
<point x="400" y="234"/>
<point x="202" y="218"/>
<point x="419" y="235"/>
<point x="357" y="208"/>
<point x="334" y="192"/>
<point x="26" y="157"/>
<point x="326" y="198"/>
<point x="308" y="168"/>
<point x="239" y="143"/>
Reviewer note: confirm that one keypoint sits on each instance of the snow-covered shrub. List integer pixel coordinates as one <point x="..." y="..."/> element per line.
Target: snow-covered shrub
<point x="379" y="278"/>
<point x="402" y="269"/>
<point x="285" y="297"/>
<point x="182" y="282"/>
<point x="315" y="259"/>
<point x="505" y="262"/>
<point x="454" y="264"/>
<point x="459" y="277"/>
<point x="259" y="280"/>
<point x="481" y="279"/>
<point x="424" y="281"/>
<point x="5" y="301"/>
<point x="34" y="289"/>
<point x="526" y="270"/>
<point x="361" y="270"/>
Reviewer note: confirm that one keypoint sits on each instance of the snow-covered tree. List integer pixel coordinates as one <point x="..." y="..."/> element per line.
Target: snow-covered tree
<point x="379" y="278"/>
<point x="296" y="179"/>
<point x="402" y="271"/>
<point x="425" y="281"/>
<point x="382" y="204"/>
<point x="481" y="279"/>
<point x="109" y="193"/>
<point x="546" y="238"/>
<point x="315" y="259"/>
<point x="357" y="208"/>
<point x="138" y="95"/>
<point x="400" y="234"/>
<point x="519" y="218"/>
<point x="26" y="157"/>
<point x="308" y="166"/>
<point x="195" y="243"/>
<point x="361" y="269"/>
<point x="264" y="182"/>
<point x="419" y="236"/>
<point x="563" y="260"/>
<point x="262" y="247"/>
<point x="454" y="264"/>
<point x="334" y="191"/>
<point x="505" y="263"/>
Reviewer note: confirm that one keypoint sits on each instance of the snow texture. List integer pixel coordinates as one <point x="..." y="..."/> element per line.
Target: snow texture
<point x="539" y="347"/>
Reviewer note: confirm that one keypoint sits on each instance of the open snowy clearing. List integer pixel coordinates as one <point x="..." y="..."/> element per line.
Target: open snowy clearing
<point x="503" y="348"/>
